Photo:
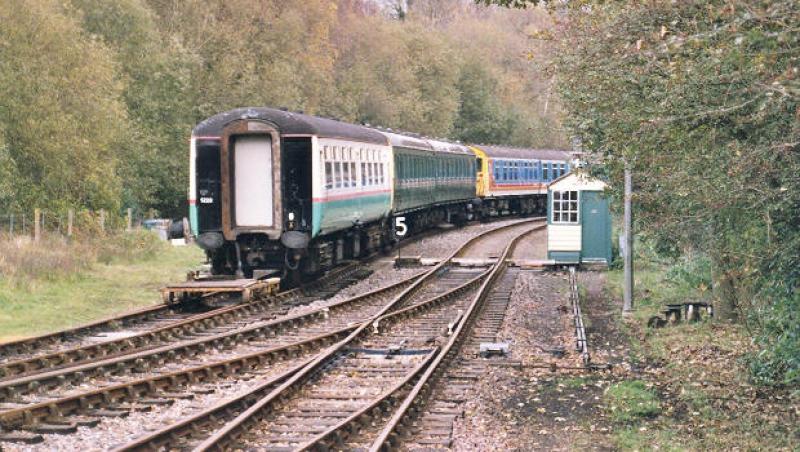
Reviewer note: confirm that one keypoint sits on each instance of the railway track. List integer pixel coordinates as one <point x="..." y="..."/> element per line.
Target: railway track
<point x="151" y="325"/>
<point x="36" y="399"/>
<point x="353" y="382"/>
<point x="132" y="333"/>
<point x="114" y="386"/>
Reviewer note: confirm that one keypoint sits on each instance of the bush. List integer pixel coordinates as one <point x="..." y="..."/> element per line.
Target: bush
<point x="778" y="362"/>
<point x="22" y="261"/>
<point x="129" y="246"/>
<point x="692" y="272"/>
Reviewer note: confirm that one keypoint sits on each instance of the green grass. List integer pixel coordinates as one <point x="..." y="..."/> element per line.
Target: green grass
<point x="49" y="304"/>
<point x="576" y="382"/>
<point x="629" y="402"/>
<point x="702" y="380"/>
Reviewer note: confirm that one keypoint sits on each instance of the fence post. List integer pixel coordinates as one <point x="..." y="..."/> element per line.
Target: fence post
<point x="102" y="220"/>
<point x="70" y="219"/>
<point x="37" y="228"/>
<point x="130" y="219"/>
<point x="11" y="225"/>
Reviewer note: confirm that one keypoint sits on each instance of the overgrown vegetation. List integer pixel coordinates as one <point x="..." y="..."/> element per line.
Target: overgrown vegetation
<point x="56" y="284"/>
<point x="23" y="262"/>
<point x="701" y="100"/>
<point x="98" y="97"/>
<point x="699" y="372"/>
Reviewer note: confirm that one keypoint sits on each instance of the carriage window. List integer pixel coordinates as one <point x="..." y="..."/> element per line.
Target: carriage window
<point x="353" y="174"/>
<point x="383" y="173"/>
<point x="328" y="175"/>
<point x="337" y="174"/>
<point x="565" y="207"/>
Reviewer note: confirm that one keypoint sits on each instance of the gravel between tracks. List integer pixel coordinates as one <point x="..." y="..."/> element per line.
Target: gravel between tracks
<point x="535" y="323"/>
<point x="533" y="246"/>
<point x="441" y="245"/>
<point x="112" y="432"/>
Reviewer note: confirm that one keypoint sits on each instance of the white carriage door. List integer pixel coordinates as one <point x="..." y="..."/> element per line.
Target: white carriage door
<point x="253" y="180"/>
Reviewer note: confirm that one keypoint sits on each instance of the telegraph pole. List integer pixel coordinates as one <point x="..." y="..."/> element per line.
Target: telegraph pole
<point x="627" y="292"/>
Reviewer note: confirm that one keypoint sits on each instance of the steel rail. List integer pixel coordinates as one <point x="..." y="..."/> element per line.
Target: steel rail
<point x="130" y="391"/>
<point x="423" y="386"/>
<point x="329" y="438"/>
<point x="581" y="343"/>
<point x="221" y="439"/>
<point x="39" y="382"/>
<point x="28" y="344"/>
<point x="74" y="355"/>
<point x="156" y="439"/>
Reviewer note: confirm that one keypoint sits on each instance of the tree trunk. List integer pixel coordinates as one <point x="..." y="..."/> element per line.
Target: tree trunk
<point x="724" y="291"/>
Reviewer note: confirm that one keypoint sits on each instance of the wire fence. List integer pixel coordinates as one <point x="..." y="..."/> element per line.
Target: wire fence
<point x="83" y="222"/>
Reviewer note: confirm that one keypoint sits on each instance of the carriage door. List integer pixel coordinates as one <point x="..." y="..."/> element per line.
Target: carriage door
<point x="253" y="181"/>
<point x="297" y="170"/>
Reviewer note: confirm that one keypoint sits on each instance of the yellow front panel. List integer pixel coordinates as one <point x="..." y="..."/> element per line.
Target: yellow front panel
<point x="482" y="179"/>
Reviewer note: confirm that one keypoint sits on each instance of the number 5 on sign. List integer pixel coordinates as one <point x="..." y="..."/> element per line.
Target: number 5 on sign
<point x="400" y="227"/>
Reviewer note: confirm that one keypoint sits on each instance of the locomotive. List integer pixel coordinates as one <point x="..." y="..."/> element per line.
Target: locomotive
<point x="278" y="193"/>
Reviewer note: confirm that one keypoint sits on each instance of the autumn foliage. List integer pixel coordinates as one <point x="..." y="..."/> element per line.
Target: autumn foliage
<point x="98" y="97"/>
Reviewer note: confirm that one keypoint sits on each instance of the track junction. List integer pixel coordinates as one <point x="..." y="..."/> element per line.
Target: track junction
<point x="381" y="368"/>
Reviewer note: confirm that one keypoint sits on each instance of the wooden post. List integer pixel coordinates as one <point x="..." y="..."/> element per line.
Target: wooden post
<point x="70" y="219"/>
<point x="627" y="288"/>
<point x="37" y="229"/>
<point x="130" y="219"/>
<point x="102" y="220"/>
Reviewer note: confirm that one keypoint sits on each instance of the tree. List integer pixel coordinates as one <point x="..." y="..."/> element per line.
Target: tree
<point x="61" y="112"/>
<point x="481" y="117"/>
<point x="702" y="98"/>
<point x="158" y="101"/>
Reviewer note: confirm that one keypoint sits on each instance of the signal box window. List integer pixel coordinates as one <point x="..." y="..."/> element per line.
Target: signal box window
<point x="565" y="207"/>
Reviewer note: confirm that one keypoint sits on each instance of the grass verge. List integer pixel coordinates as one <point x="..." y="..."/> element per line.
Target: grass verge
<point x="693" y="389"/>
<point x="101" y="282"/>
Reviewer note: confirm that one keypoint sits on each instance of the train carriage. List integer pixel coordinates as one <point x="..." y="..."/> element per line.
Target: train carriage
<point x="514" y="180"/>
<point x="279" y="193"/>
<point x="272" y="190"/>
<point x="434" y="181"/>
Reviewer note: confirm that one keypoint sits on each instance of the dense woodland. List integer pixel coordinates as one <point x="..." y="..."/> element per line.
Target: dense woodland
<point x="702" y="100"/>
<point x="99" y="96"/>
<point x="698" y="98"/>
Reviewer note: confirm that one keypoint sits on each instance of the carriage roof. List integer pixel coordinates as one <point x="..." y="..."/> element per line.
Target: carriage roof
<point x="523" y="153"/>
<point x="290" y="123"/>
